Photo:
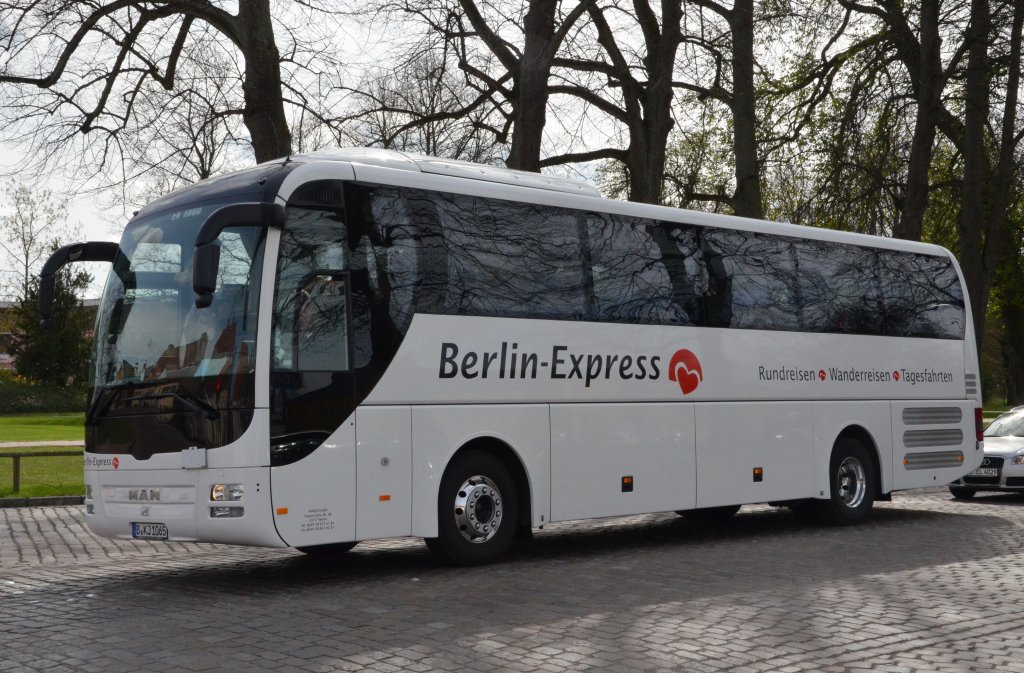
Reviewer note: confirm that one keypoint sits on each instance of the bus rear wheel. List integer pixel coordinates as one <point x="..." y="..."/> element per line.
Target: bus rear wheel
<point x="852" y="479"/>
<point x="962" y="493"/>
<point x="477" y="510"/>
<point x="852" y="482"/>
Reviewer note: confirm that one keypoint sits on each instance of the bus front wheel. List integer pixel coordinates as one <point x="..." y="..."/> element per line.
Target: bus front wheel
<point x="476" y="510"/>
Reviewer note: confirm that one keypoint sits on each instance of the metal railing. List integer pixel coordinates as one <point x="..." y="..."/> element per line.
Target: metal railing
<point x="17" y="456"/>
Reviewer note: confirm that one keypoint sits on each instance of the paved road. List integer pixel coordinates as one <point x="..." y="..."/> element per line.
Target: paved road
<point x="929" y="585"/>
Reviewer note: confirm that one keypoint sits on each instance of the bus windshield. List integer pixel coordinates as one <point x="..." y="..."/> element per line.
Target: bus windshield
<point x="157" y="352"/>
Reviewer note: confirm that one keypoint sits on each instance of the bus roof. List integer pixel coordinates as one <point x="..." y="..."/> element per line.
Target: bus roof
<point x="453" y="168"/>
<point x="260" y="183"/>
<point x="474" y="178"/>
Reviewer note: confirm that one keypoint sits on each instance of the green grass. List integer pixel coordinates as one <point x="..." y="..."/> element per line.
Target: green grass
<point x="42" y="427"/>
<point x="42" y="476"/>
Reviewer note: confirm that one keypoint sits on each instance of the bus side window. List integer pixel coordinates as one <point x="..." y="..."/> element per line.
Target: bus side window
<point x="637" y="272"/>
<point x="322" y="324"/>
<point x="752" y="280"/>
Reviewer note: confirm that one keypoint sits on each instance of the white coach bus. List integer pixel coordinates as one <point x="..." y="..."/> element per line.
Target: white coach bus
<point x="363" y="344"/>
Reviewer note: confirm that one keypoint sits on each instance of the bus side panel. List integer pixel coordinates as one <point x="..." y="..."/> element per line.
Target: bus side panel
<point x="616" y="459"/>
<point x="831" y="418"/>
<point x="315" y="498"/>
<point x="933" y="442"/>
<point x="734" y="440"/>
<point x="383" y="472"/>
<point x="439" y="431"/>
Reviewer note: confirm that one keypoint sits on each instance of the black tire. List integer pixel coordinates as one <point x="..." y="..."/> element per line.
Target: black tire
<point x="477" y="510"/>
<point x="962" y="492"/>
<point x="327" y="550"/>
<point x="708" y="515"/>
<point x="852" y="480"/>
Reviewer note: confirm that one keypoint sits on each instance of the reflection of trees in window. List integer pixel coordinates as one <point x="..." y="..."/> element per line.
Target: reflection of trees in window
<point x="638" y="272"/>
<point x="839" y="288"/>
<point x="441" y="253"/>
<point x="761" y="272"/>
<point x="322" y="325"/>
<point x="160" y="257"/>
<point x="392" y="251"/>
<point x="679" y="247"/>
<point x="313" y="241"/>
<point x="922" y="294"/>
<point x="511" y="259"/>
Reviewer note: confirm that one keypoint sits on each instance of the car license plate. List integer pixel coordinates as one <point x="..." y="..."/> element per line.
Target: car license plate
<point x="985" y="472"/>
<point x="149" y="531"/>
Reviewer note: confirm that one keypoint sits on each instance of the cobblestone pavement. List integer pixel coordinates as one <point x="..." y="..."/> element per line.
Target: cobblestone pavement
<point x="929" y="585"/>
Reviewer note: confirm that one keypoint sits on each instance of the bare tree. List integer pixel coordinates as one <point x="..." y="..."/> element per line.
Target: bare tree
<point x="420" y="105"/>
<point x="69" y="67"/>
<point x="506" y="52"/>
<point x="985" y="66"/>
<point x="28" y="233"/>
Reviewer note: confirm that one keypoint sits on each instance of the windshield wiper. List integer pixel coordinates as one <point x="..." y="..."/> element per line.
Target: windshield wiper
<point x="190" y="401"/>
<point x="99" y="408"/>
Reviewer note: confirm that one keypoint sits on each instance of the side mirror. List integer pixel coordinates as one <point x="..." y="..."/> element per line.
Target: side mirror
<point x="206" y="259"/>
<point x="93" y="251"/>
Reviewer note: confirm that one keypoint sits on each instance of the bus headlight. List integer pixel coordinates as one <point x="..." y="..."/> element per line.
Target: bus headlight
<point x="222" y="492"/>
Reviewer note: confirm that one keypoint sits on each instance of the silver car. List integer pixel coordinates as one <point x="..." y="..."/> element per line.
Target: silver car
<point x="1003" y="466"/>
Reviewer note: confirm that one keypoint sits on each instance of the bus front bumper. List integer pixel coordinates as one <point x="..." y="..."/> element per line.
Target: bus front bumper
<point x="229" y="506"/>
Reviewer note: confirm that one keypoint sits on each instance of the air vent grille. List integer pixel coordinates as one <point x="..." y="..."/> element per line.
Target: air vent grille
<point x="933" y="460"/>
<point x="915" y="439"/>
<point x="932" y="416"/>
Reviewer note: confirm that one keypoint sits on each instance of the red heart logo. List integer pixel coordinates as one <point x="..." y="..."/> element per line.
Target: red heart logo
<point x="684" y="368"/>
<point x="116" y="463"/>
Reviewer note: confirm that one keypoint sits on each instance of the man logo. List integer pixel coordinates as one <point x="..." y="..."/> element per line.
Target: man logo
<point x="684" y="369"/>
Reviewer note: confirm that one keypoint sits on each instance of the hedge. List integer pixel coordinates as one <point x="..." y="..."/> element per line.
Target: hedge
<point x="20" y="397"/>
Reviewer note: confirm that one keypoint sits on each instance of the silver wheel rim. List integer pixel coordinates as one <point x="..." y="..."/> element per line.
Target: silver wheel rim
<point x="478" y="509"/>
<point x="852" y="482"/>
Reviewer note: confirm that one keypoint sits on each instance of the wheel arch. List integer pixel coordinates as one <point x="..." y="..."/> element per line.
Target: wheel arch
<point x="513" y="462"/>
<point x="862" y="436"/>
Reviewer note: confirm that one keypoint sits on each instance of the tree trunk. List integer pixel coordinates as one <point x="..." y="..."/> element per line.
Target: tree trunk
<point x="532" y="86"/>
<point x="264" y="115"/>
<point x="929" y="86"/>
<point x="747" y="201"/>
<point x="649" y="133"/>
<point x="975" y="214"/>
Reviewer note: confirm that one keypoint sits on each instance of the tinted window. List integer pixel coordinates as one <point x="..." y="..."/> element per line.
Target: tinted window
<point x="838" y="288"/>
<point x="637" y="271"/>
<point x="515" y="260"/>
<point x="761" y="272"/>
<point x="432" y="252"/>
<point x="313" y="244"/>
<point x="922" y="296"/>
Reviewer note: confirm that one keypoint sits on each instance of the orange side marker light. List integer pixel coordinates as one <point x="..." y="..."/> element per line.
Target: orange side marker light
<point x="282" y="511"/>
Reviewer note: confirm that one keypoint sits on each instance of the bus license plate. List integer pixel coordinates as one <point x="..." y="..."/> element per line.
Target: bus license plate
<point x="149" y="531"/>
<point x="985" y="472"/>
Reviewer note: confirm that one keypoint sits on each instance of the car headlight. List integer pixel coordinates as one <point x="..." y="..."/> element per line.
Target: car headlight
<point x="1017" y="460"/>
